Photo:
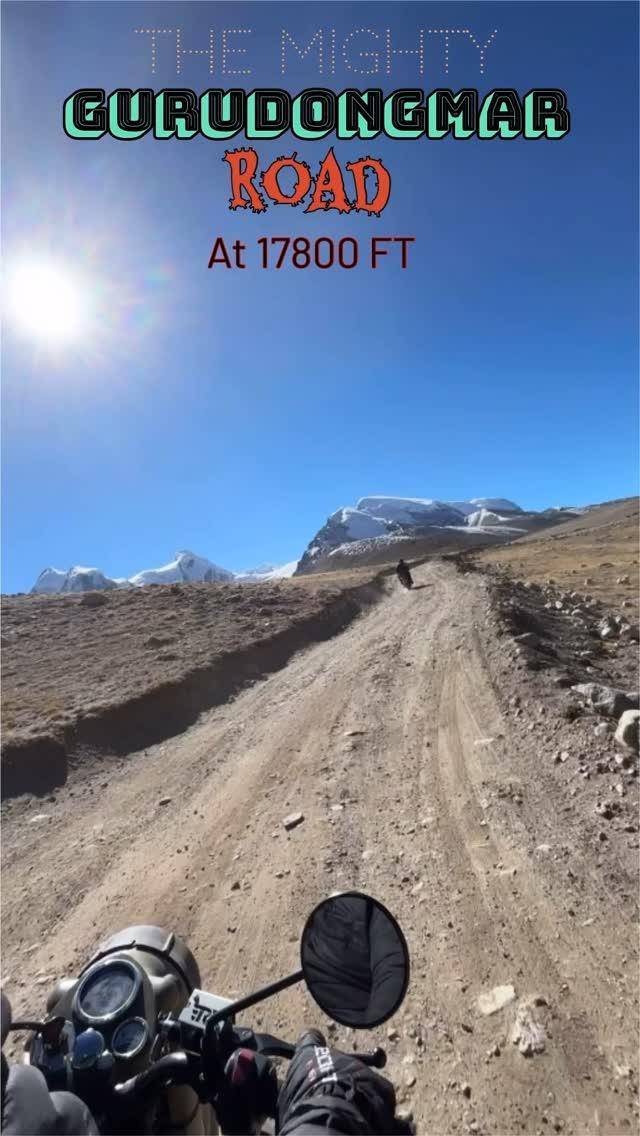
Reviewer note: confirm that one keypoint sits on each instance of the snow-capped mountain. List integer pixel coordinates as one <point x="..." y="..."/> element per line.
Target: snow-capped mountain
<point x="410" y="511"/>
<point x="187" y="568"/>
<point x="385" y="519"/>
<point x="498" y="504"/>
<point x="267" y="572"/>
<point x="75" y="580"/>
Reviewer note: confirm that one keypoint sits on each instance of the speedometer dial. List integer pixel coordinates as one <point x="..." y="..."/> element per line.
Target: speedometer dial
<point x="130" y="1038"/>
<point x="107" y="991"/>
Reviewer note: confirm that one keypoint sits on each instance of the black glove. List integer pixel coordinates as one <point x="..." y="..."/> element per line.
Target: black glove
<point x="329" y="1092"/>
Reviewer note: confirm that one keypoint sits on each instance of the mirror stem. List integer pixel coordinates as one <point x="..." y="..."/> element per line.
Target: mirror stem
<point x="257" y="996"/>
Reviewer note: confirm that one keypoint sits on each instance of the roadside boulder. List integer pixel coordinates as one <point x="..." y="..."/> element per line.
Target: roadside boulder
<point x="628" y="731"/>
<point x="608" y="701"/>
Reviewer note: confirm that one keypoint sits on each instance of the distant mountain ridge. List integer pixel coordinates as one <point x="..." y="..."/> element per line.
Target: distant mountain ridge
<point x="357" y="532"/>
<point x="185" y="568"/>
<point x="387" y="519"/>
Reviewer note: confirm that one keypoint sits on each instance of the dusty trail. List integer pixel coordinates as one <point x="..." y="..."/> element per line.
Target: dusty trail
<point x="434" y="807"/>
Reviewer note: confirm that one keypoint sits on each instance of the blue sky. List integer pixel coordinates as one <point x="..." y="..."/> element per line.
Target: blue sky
<point x="231" y="411"/>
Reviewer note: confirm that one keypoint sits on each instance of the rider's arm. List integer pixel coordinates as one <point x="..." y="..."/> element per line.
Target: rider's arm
<point x="29" y="1109"/>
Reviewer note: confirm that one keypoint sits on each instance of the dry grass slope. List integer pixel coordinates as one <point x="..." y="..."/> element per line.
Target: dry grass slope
<point x="590" y="554"/>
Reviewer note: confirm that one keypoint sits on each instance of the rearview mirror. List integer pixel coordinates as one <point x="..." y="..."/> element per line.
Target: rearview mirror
<point x="355" y="960"/>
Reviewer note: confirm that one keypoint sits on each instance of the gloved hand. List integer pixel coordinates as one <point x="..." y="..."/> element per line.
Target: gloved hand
<point x="326" y="1091"/>
<point x="29" y="1109"/>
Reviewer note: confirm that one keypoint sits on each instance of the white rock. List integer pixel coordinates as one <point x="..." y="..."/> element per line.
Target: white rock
<point x="38" y="818"/>
<point x="627" y="733"/>
<point x="607" y="628"/>
<point x="528" y="1031"/>
<point x="496" y="999"/>
<point x="293" y="820"/>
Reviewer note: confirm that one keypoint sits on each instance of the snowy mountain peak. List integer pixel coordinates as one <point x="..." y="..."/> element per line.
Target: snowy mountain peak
<point x="382" y="518"/>
<point x="496" y="504"/>
<point x="410" y="510"/>
<point x="77" y="579"/>
<point x="185" y="568"/>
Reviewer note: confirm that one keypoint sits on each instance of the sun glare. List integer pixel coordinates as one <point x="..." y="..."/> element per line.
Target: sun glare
<point x="46" y="302"/>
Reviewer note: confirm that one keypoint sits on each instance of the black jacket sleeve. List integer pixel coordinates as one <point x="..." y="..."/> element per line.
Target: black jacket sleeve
<point x="330" y="1092"/>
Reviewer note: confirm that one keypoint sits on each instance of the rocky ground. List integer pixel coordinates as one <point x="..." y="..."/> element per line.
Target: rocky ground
<point x="113" y="671"/>
<point x="440" y="761"/>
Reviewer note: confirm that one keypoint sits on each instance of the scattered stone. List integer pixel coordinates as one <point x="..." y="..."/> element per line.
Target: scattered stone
<point x="607" y="628"/>
<point x="44" y="979"/>
<point x="607" y="809"/>
<point x="608" y="701"/>
<point x="405" y="1115"/>
<point x="622" y="580"/>
<point x="293" y="820"/>
<point x="235" y="885"/>
<point x="628" y="731"/>
<point x="353" y="733"/>
<point x="630" y="631"/>
<point x="528" y="1031"/>
<point x="484" y="741"/>
<point x="165" y="801"/>
<point x="393" y="1034"/>
<point x="543" y="849"/>
<point x="465" y="1089"/>
<point x="601" y="730"/>
<point x="38" y="818"/>
<point x="368" y="854"/>
<point x="409" y="1079"/>
<point x="496" y="999"/>
<point x="561" y="756"/>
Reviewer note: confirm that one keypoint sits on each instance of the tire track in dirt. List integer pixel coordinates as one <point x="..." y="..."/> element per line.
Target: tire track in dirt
<point x="407" y="807"/>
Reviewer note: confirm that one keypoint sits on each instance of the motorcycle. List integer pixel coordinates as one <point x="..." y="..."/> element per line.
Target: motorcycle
<point x="405" y="578"/>
<point x="149" y="1051"/>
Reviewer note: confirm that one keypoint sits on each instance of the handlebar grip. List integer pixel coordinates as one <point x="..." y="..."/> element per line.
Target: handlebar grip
<point x="173" y="1065"/>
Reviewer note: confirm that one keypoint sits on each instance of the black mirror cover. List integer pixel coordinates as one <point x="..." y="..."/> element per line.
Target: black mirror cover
<point x="355" y="960"/>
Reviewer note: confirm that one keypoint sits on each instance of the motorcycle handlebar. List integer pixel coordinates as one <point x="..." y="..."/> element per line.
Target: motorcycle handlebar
<point x="177" y="1068"/>
<point x="273" y="1047"/>
<point x="173" y="1068"/>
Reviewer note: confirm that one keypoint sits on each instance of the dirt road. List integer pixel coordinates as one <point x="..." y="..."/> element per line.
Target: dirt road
<point x="392" y="742"/>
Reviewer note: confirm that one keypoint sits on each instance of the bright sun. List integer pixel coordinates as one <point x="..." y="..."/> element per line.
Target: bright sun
<point x="46" y="302"/>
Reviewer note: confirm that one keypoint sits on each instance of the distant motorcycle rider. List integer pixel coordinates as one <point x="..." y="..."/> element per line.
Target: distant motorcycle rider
<point x="404" y="575"/>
